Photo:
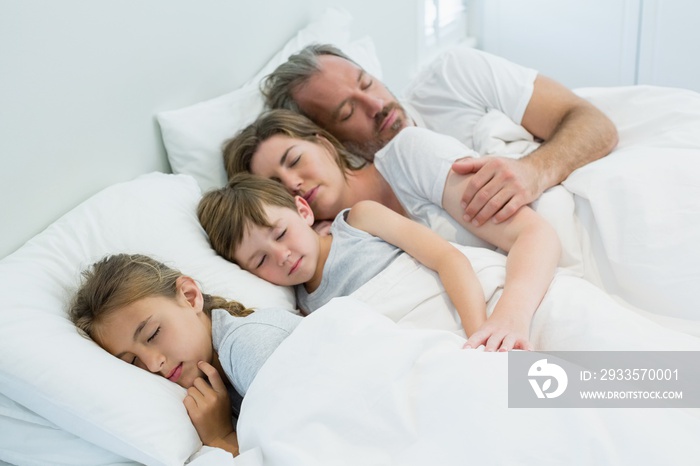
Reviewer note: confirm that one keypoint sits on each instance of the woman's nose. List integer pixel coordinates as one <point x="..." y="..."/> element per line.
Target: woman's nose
<point x="292" y="182"/>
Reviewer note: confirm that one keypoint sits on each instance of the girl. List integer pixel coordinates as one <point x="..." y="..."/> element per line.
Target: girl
<point x="156" y="318"/>
<point x="411" y="175"/>
<point x="256" y="223"/>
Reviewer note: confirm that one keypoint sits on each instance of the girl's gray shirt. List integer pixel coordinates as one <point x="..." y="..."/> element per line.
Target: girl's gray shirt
<point x="244" y="343"/>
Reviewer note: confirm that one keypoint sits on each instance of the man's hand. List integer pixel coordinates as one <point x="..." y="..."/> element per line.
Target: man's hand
<point x="209" y="407"/>
<point x="498" y="189"/>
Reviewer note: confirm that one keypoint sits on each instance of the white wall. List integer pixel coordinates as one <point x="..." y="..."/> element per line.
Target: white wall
<point x="597" y="42"/>
<point x="81" y="80"/>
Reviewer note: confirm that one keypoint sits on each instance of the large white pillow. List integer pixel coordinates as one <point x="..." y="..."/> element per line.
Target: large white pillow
<point x="194" y="135"/>
<point x="46" y="366"/>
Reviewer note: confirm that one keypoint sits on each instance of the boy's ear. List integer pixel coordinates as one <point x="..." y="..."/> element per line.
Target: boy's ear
<point x="188" y="290"/>
<point x="304" y="210"/>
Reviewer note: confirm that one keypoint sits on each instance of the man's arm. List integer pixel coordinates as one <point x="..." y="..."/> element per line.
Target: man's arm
<point x="575" y="133"/>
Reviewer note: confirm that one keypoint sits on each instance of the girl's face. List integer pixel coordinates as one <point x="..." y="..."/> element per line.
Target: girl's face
<point x="285" y="254"/>
<point x="166" y="336"/>
<point x="307" y="169"/>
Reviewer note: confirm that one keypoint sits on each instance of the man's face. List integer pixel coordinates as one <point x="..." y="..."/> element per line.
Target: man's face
<point x="352" y="105"/>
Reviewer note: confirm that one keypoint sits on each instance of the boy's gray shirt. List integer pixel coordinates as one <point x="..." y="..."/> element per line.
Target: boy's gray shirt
<point x="354" y="259"/>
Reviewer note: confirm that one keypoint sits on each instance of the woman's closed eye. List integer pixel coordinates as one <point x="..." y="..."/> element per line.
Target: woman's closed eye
<point x="295" y="160"/>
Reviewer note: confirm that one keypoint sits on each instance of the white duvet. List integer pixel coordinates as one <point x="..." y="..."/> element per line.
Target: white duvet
<point x="635" y="228"/>
<point x="350" y="387"/>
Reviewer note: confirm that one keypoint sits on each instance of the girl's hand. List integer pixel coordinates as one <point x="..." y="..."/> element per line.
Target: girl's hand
<point x="500" y="335"/>
<point x="209" y="407"/>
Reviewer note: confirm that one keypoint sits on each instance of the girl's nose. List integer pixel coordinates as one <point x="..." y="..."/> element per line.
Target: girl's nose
<point x="154" y="361"/>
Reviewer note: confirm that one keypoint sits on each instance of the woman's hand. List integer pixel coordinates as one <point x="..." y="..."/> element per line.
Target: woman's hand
<point x="500" y="334"/>
<point x="209" y="408"/>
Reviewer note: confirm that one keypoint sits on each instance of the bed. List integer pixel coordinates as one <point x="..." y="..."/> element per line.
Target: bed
<point x="629" y="224"/>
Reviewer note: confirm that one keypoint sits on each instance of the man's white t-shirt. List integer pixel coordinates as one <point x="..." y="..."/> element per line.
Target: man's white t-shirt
<point x="416" y="163"/>
<point x="456" y="90"/>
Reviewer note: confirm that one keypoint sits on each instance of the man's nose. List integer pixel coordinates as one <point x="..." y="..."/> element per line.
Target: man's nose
<point x="371" y="103"/>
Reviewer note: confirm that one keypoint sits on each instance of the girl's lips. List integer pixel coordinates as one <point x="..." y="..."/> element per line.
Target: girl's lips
<point x="174" y="376"/>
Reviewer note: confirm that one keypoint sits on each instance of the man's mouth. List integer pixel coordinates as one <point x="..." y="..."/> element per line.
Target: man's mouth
<point x="389" y="120"/>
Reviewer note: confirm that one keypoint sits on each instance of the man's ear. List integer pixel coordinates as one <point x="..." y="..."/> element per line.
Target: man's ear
<point x="304" y="210"/>
<point x="188" y="290"/>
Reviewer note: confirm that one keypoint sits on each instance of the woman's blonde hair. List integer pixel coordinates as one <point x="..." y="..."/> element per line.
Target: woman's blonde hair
<point x="226" y="213"/>
<point x="239" y="151"/>
<point x="122" y="279"/>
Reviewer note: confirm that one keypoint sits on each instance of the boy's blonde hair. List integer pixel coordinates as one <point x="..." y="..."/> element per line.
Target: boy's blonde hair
<point x="122" y="279"/>
<point x="227" y="213"/>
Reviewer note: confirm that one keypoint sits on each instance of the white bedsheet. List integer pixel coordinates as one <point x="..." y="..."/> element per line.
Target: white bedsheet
<point x="350" y="387"/>
<point x="637" y="211"/>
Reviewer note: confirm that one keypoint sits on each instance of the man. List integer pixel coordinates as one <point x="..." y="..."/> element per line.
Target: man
<point x="450" y="96"/>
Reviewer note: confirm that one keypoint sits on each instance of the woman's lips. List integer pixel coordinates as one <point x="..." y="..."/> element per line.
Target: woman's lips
<point x="174" y="376"/>
<point x="311" y="195"/>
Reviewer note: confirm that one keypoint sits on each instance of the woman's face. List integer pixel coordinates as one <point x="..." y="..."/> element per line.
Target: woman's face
<point x="307" y="169"/>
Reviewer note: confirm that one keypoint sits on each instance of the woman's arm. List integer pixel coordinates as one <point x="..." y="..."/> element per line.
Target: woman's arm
<point x="533" y="253"/>
<point x="431" y="250"/>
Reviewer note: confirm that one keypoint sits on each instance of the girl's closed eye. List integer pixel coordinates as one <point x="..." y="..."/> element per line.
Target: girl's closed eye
<point x="155" y="334"/>
<point x="281" y="235"/>
<point x="262" y="260"/>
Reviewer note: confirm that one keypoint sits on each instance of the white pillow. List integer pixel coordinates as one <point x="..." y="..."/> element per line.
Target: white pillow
<point x="46" y="366"/>
<point x="194" y="135"/>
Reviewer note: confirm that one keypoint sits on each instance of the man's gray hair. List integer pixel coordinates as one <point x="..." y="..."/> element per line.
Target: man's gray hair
<point x="277" y="87"/>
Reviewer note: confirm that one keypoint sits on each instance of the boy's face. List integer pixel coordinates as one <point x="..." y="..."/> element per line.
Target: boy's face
<point x="285" y="254"/>
<point x="162" y="335"/>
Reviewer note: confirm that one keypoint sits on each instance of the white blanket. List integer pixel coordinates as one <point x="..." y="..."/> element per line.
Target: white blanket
<point x="636" y="221"/>
<point x="349" y="387"/>
<point x="574" y="314"/>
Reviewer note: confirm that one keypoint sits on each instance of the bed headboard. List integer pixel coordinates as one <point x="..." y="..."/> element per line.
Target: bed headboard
<point x="81" y="83"/>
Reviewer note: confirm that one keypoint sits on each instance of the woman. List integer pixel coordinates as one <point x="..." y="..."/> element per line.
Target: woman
<point x="412" y="176"/>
